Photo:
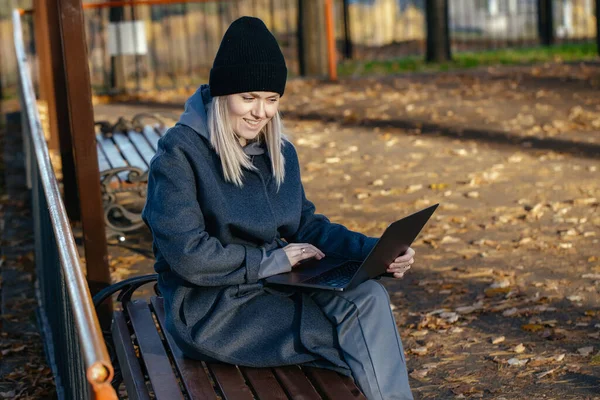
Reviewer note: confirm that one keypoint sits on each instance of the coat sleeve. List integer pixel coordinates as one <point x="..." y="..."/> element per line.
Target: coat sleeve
<point x="273" y="263"/>
<point x="174" y="216"/>
<point x="331" y="238"/>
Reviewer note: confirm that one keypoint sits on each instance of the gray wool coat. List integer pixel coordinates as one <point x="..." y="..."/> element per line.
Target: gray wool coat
<point x="209" y="238"/>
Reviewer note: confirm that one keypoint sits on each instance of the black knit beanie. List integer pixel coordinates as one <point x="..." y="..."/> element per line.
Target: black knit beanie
<point x="249" y="59"/>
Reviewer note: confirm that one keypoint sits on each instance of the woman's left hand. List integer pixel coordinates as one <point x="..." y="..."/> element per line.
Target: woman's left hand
<point x="402" y="264"/>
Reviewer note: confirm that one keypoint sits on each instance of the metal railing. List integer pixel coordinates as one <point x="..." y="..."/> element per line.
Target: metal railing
<point x="73" y="339"/>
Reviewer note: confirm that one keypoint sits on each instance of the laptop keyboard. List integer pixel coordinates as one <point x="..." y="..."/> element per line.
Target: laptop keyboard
<point x="337" y="277"/>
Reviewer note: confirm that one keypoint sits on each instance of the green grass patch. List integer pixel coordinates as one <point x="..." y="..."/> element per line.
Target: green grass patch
<point x="9" y="94"/>
<point x="559" y="53"/>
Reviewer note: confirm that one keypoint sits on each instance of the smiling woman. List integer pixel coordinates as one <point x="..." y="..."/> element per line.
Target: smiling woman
<point x="227" y="208"/>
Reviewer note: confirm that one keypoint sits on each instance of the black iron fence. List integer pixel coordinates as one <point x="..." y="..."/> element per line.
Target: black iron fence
<point x="73" y="341"/>
<point x="172" y="46"/>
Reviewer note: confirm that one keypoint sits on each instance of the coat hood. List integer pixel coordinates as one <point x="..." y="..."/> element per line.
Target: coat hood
<point x="195" y="114"/>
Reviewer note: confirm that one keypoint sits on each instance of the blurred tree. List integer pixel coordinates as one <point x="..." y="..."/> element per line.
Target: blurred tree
<point x="545" y="22"/>
<point x="312" y="38"/>
<point x="598" y="25"/>
<point x="117" y="77"/>
<point x="438" y="33"/>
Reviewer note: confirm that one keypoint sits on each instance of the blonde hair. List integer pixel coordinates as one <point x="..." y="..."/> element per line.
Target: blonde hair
<point x="226" y="144"/>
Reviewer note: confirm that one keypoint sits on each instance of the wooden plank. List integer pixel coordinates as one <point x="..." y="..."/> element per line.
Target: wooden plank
<point x="194" y="377"/>
<point x="153" y="353"/>
<point x="151" y="136"/>
<point x="142" y="146"/>
<point x="264" y="384"/>
<point x="331" y="385"/>
<point x="295" y="383"/>
<point x="230" y="381"/>
<point x="102" y="161"/>
<point x="128" y="151"/>
<point x="351" y="385"/>
<point x="128" y="362"/>
<point x="114" y="157"/>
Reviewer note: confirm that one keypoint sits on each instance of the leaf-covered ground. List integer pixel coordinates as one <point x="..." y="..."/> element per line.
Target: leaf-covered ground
<point x="502" y="302"/>
<point x="24" y="372"/>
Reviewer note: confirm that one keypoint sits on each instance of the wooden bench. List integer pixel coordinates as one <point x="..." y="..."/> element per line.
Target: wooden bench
<point x="124" y="153"/>
<point x="150" y="365"/>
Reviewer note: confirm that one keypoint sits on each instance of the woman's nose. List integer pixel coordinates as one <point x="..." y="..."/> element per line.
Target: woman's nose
<point x="259" y="110"/>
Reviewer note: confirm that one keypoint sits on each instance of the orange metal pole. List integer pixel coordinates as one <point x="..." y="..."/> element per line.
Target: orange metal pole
<point x="330" y="40"/>
<point x="122" y="3"/>
<point x="139" y="3"/>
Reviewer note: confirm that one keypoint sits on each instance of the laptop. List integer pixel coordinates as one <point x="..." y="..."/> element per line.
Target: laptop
<point x="332" y="273"/>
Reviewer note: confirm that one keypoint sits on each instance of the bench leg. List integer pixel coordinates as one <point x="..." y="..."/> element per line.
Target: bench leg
<point x="111" y="186"/>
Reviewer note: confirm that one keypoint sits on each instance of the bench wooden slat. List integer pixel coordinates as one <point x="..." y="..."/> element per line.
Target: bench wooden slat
<point x="349" y="382"/>
<point x="102" y="161"/>
<point x="128" y="362"/>
<point x="142" y="146"/>
<point x="151" y="136"/>
<point x="193" y="375"/>
<point x="153" y="353"/>
<point x="130" y="153"/>
<point x="264" y="383"/>
<point x="295" y="383"/>
<point x="331" y="385"/>
<point x="230" y="381"/>
<point x="114" y="157"/>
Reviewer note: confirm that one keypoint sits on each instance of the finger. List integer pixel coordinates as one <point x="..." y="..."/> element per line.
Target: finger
<point x="404" y="257"/>
<point x="306" y="252"/>
<point x="409" y="253"/>
<point x="309" y="252"/>
<point x="307" y="247"/>
<point x="399" y="275"/>
<point x="399" y="265"/>
<point x="319" y="252"/>
<point x="398" y="271"/>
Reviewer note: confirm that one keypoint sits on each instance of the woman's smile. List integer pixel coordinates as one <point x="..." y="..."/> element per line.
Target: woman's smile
<point x="253" y="123"/>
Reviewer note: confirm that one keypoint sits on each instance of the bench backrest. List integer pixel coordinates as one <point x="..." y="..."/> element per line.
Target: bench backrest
<point x="129" y="148"/>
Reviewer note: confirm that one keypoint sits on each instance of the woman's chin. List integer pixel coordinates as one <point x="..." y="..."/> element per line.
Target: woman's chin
<point x="249" y="136"/>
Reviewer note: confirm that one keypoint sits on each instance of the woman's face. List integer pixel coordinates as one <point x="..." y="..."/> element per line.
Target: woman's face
<point x="250" y="112"/>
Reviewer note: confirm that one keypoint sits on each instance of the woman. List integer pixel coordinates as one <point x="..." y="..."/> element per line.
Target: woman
<point x="226" y="208"/>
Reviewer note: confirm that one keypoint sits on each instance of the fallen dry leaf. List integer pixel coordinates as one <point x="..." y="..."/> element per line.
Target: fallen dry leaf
<point x="498" y="339"/>
<point x="519" y="348"/>
<point x="585" y="351"/>
<point x="518" y="362"/>
<point x="532" y="327"/>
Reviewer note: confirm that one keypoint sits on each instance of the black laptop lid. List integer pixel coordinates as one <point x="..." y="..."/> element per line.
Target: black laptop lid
<point x="396" y="239"/>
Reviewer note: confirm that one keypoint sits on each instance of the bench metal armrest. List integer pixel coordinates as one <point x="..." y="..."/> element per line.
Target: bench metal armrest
<point x="126" y="289"/>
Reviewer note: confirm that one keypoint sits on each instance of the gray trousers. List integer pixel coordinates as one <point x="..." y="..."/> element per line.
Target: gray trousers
<point x="369" y="339"/>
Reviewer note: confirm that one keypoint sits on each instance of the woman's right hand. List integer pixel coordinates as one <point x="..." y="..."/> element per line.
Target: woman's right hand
<point x="297" y="252"/>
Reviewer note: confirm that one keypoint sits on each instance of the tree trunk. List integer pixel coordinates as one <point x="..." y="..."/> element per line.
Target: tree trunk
<point x="312" y="38"/>
<point x="438" y="32"/>
<point x="545" y="22"/>
<point x="598" y="25"/>
<point x="117" y="70"/>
